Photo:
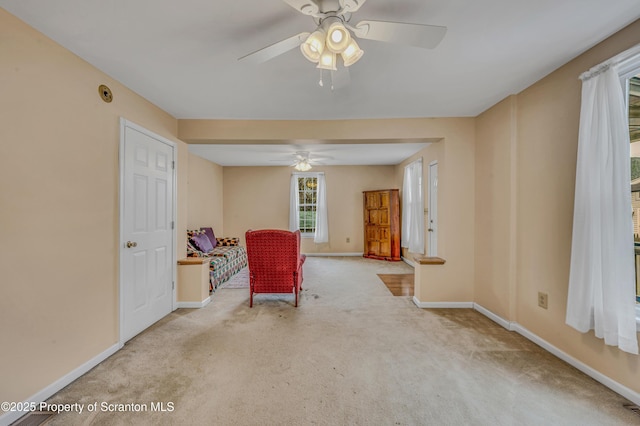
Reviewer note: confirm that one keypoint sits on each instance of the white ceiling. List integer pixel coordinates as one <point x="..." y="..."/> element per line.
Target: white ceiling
<point x="182" y="55"/>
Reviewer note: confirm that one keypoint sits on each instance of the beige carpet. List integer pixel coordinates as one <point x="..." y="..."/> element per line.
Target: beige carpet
<point x="350" y="354"/>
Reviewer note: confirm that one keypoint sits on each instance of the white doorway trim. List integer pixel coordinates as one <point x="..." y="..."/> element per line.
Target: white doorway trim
<point x="124" y="124"/>
<point x="432" y="211"/>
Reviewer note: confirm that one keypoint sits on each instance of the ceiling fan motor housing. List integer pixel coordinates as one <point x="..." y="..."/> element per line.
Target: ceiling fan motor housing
<point x="338" y="7"/>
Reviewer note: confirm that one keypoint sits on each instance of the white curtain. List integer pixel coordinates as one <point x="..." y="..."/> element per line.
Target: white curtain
<point x="294" y="204"/>
<point x="413" y="208"/>
<point x="322" y="224"/>
<point x="602" y="276"/>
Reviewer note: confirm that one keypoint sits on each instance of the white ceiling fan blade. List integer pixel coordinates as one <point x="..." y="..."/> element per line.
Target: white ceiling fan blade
<point x="307" y="7"/>
<point x="418" y="35"/>
<point x="351" y="5"/>
<point x="276" y="49"/>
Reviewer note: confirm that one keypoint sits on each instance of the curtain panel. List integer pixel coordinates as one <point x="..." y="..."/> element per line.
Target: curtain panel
<point x="412" y="236"/>
<point x="322" y="223"/>
<point x="602" y="274"/>
<point x="294" y="205"/>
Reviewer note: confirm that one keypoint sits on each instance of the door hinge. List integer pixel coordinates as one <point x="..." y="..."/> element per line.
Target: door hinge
<point x="173" y="164"/>
<point x="173" y="285"/>
<point x="172" y="223"/>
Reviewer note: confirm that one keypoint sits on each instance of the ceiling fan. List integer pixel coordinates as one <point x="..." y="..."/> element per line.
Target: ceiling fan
<point x="303" y="161"/>
<point x="334" y="36"/>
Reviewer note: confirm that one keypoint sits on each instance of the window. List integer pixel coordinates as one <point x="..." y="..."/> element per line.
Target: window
<point x="307" y="203"/>
<point x="308" y="206"/>
<point x="630" y="79"/>
<point x="632" y="85"/>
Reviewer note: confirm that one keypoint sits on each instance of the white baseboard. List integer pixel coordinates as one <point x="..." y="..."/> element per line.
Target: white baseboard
<point x="509" y="325"/>
<point x="192" y="305"/>
<point x="409" y="262"/>
<point x="630" y="394"/>
<point x="619" y="388"/>
<point x="442" y="305"/>
<point x="47" y="392"/>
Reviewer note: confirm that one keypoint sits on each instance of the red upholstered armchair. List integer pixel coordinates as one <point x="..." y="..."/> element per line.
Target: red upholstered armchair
<point x="275" y="262"/>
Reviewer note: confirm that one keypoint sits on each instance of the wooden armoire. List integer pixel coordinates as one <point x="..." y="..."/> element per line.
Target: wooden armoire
<point x="382" y="224"/>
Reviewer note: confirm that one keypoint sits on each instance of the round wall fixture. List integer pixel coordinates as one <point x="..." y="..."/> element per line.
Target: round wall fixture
<point x="105" y="93"/>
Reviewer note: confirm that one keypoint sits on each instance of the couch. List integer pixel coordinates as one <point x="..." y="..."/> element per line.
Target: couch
<point x="227" y="256"/>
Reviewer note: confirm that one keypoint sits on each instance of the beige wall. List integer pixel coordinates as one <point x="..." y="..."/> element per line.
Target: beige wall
<point x="495" y="204"/>
<point x="315" y="131"/>
<point x="205" y="195"/>
<point x="452" y="282"/>
<point x="258" y="198"/>
<point x="431" y="153"/>
<point x="245" y="187"/>
<point x="539" y="158"/>
<point x="59" y="196"/>
<point x="59" y="207"/>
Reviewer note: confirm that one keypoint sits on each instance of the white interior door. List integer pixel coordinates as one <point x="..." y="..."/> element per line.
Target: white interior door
<point x="432" y="216"/>
<point x="147" y="239"/>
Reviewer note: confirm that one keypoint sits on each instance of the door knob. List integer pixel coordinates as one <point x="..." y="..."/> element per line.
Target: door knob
<point x="131" y="244"/>
<point x="430" y="230"/>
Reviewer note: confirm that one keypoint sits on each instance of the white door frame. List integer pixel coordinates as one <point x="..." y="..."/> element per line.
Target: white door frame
<point x="432" y="212"/>
<point x="124" y="123"/>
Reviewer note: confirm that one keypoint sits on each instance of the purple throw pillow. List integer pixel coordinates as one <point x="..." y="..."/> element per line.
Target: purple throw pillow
<point x="202" y="242"/>
<point x="209" y="233"/>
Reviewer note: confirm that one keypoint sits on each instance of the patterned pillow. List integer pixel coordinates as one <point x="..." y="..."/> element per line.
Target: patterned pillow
<point x="212" y="237"/>
<point x="202" y="242"/>
<point x="193" y="249"/>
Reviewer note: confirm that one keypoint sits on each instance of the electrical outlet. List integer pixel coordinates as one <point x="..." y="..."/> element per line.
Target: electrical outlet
<point x="543" y="300"/>
<point x="348" y="239"/>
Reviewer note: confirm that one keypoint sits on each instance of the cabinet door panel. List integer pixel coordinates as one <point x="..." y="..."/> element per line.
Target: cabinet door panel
<point x="384" y="233"/>
<point x="373" y="200"/>
<point x="383" y="199"/>
<point x="384" y="248"/>
<point x="374" y="217"/>
<point x="372" y="233"/>
<point x="373" y="247"/>
<point x="383" y="217"/>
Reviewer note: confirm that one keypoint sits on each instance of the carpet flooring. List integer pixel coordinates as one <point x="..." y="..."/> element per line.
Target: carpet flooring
<point x="350" y="354"/>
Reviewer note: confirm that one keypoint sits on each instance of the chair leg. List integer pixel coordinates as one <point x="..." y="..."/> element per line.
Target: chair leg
<point x="296" y="297"/>
<point x="251" y="299"/>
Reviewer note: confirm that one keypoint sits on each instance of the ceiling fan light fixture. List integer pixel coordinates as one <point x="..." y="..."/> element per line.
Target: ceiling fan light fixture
<point x="338" y="37"/>
<point x="303" y="166"/>
<point x="351" y="54"/>
<point x="335" y="35"/>
<point x="327" y="61"/>
<point x="313" y="46"/>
